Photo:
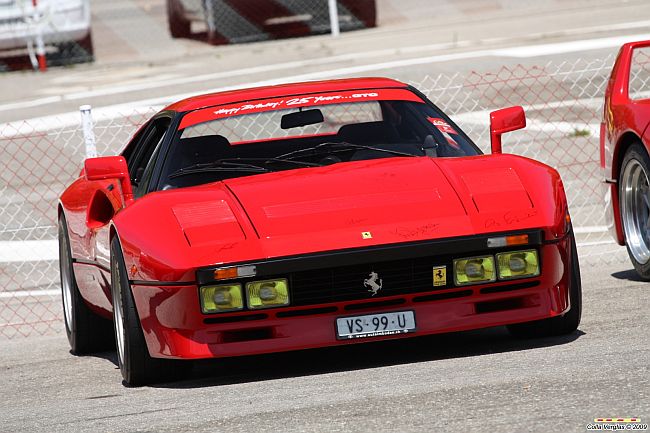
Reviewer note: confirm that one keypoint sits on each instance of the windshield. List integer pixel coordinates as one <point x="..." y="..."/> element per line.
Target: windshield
<point x="304" y="132"/>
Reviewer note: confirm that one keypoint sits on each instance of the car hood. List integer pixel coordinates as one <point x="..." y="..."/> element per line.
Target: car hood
<point x="345" y="200"/>
<point x="348" y="205"/>
<point x="384" y="201"/>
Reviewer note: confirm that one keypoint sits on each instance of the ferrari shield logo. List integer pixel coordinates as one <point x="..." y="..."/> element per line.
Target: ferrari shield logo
<point x="366" y="235"/>
<point x="374" y="283"/>
<point x="439" y="276"/>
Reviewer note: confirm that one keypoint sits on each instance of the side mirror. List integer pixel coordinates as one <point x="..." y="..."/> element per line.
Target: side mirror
<point x="110" y="167"/>
<point x="505" y="120"/>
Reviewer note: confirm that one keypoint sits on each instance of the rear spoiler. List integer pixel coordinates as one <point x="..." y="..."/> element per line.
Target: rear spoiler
<point x="619" y="82"/>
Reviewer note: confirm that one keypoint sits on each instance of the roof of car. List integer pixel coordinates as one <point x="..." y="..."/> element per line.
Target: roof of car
<point x="231" y="96"/>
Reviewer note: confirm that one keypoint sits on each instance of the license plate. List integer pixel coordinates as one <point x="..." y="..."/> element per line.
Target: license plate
<point x="374" y="325"/>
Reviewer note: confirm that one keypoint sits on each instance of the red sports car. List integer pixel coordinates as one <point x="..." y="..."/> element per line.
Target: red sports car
<point x="624" y="146"/>
<point x="310" y="215"/>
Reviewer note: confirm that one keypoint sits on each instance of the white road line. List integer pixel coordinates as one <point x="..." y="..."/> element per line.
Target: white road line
<point x="568" y="47"/>
<point x="27" y="323"/>
<point x="595" y="243"/>
<point x="590" y="229"/>
<point x="28" y="251"/>
<point x="28" y="293"/>
<point x="33" y="103"/>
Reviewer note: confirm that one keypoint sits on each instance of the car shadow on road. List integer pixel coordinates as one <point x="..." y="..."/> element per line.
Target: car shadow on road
<point x="359" y="357"/>
<point x="629" y="275"/>
<point x="110" y="356"/>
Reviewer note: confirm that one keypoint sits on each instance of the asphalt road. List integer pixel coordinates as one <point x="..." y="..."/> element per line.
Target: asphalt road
<point x="473" y="381"/>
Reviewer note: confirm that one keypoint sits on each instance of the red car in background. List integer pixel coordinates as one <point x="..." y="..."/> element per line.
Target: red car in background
<point x="310" y="215"/>
<point x="624" y="147"/>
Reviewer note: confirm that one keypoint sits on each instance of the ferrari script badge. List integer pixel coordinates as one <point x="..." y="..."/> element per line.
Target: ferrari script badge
<point x="374" y="283"/>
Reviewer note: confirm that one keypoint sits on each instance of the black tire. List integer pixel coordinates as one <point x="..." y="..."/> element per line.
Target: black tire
<point x="73" y="52"/>
<point x="560" y="325"/>
<point x="179" y="26"/>
<point x="86" y="331"/>
<point x="86" y="46"/>
<point x="136" y="364"/>
<point x="636" y="156"/>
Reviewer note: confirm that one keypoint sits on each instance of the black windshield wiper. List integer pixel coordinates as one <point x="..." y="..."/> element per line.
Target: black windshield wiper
<point x="218" y="166"/>
<point x="238" y="164"/>
<point x="270" y="160"/>
<point x="338" y="146"/>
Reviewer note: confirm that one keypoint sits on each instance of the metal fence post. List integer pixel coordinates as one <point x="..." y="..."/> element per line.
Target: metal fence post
<point x="87" y="130"/>
<point x="334" y="18"/>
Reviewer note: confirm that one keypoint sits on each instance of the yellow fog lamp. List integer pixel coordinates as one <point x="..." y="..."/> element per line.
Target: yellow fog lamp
<point x="221" y="298"/>
<point x="267" y="293"/>
<point x="518" y="264"/>
<point x="474" y="270"/>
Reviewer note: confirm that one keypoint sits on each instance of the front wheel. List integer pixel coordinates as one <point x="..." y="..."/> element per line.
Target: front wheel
<point x="559" y="325"/>
<point x="634" y="196"/>
<point x="136" y="365"/>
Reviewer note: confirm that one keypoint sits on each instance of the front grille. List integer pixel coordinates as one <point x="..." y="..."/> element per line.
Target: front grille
<point x="346" y="283"/>
<point x="405" y="268"/>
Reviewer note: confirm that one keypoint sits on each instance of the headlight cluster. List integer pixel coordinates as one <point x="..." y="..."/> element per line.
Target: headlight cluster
<point x="485" y="269"/>
<point x="230" y="297"/>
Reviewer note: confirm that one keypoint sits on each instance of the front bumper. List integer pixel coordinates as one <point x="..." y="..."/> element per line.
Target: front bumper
<point x="175" y="328"/>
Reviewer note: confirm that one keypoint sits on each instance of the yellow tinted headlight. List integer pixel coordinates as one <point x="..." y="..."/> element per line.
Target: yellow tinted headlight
<point x="221" y="298"/>
<point x="518" y="264"/>
<point x="474" y="270"/>
<point x="267" y="293"/>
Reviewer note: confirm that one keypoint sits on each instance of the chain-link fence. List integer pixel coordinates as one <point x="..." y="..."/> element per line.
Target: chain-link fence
<point x="563" y="103"/>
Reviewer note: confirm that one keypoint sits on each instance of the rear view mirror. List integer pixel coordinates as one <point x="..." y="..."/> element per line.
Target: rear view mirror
<point x="301" y="118"/>
<point x="505" y="120"/>
<point x="110" y="167"/>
